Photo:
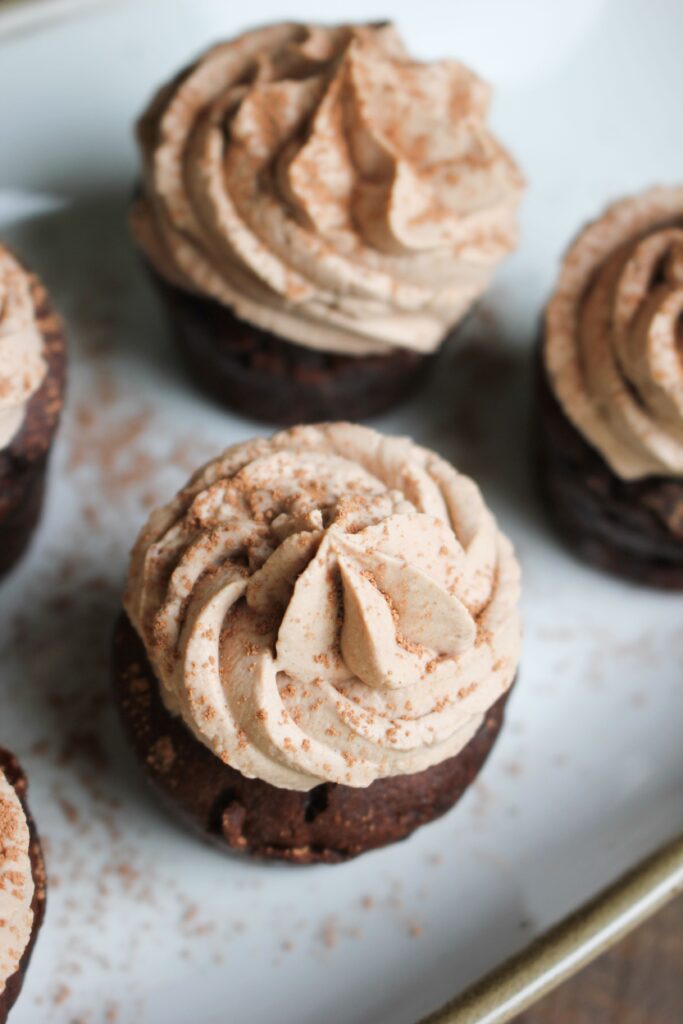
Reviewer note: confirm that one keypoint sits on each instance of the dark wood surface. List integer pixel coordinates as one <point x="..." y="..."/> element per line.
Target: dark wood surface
<point x="640" y="981"/>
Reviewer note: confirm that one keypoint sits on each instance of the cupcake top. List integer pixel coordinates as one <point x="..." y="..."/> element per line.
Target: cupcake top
<point x="328" y="605"/>
<point x="22" y="365"/>
<point x="613" y="339"/>
<point x="16" y="882"/>
<point x="327" y="187"/>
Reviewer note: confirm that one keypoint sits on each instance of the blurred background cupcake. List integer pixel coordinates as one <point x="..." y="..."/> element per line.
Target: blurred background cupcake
<point x="32" y="373"/>
<point x="320" y="211"/>
<point x="611" y="391"/>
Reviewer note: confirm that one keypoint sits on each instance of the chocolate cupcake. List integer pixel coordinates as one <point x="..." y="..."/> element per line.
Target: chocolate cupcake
<point x="320" y="634"/>
<point x="319" y="211"/>
<point x="22" y="882"/>
<point x="32" y="370"/>
<point x="611" y="391"/>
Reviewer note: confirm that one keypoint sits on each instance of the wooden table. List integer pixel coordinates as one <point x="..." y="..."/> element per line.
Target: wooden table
<point x="640" y="981"/>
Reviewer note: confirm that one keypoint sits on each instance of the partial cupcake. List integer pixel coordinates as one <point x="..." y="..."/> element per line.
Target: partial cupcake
<point x="319" y="639"/>
<point x="22" y="882"/>
<point x="32" y="374"/>
<point x="611" y="431"/>
<point x="320" y="211"/>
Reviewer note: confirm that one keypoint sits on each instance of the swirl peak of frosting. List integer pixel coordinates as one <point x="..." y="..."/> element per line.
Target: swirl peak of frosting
<point x="16" y="881"/>
<point x="327" y="605"/>
<point x="327" y="187"/>
<point x="22" y="365"/>
<point x="614" y="335"/>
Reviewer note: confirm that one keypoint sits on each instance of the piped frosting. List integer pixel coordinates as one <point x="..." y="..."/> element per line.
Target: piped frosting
<point x="327" y="187"/>
<point x="328" y="605"/>
<point x="22" y="364"/>
<point x="16" y="882"/>
<point x="614" y="335"/>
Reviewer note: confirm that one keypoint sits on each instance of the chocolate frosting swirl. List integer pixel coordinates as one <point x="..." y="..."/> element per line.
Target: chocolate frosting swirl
<point x="22" y="366"/>
<point x="614" y="335"/>
<point x="328" y="605"/>
<point x="326" y="187"/>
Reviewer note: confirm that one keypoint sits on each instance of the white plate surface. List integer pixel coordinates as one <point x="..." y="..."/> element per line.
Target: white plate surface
<point x="145" y="925"/>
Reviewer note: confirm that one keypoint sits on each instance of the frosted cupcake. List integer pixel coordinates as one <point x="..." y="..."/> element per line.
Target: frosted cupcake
<point x="320" y="635"/>
<point x="319" y="211"/>
<point x="32" y="371"/>
<point x="611" y="437"/>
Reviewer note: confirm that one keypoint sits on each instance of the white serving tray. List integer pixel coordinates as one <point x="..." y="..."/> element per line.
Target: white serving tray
<point x="145" y="925"/>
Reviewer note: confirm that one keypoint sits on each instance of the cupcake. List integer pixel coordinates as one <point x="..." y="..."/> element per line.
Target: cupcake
<point x="319" y="639"/>
<point x="22" y="883"/>
<point x="611" y="384"/>
<point x="32" y="371"/>
<point x="319" y="211"/>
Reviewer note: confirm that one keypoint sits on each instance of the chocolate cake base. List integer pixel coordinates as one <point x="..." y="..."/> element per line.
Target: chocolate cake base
<point x="631" y="528"/>
<point x="14" y="774"/>
<point x="268" y="378"/>
<point x="23" y="462"/>
<point x="328" y="824"/>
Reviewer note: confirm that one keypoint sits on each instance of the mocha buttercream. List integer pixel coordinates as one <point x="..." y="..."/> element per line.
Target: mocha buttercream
<point x="613" y="339"/>
<point x="327" y="187"/>
<point x="22" y="366"/>
<point x="16" y="882"/>
<point x="328" y="605"/>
